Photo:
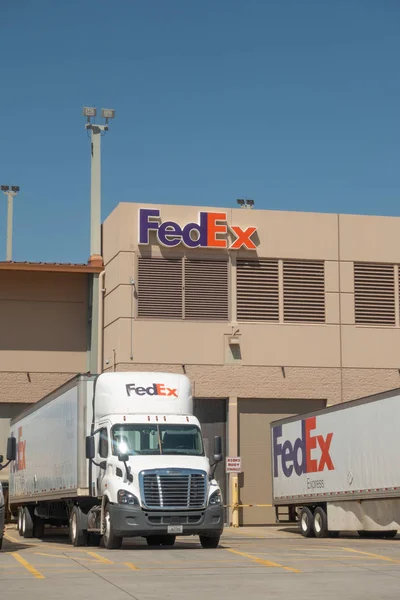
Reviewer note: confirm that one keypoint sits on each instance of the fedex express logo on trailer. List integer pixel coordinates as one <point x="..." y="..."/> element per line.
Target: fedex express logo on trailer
<point x="299" y="456"/>
<point x="205" y="234"/>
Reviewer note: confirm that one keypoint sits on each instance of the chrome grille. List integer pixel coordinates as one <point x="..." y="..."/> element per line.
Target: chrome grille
<point x="170" y="488"/>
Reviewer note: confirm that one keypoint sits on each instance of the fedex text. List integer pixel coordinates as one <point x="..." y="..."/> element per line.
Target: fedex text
<point x="205" y="234"/>
<point x="308" y="454"/>
<point x="157" y="389"/>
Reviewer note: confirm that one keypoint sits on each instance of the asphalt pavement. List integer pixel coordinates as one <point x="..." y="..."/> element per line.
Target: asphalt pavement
<point x="250" y="564"/>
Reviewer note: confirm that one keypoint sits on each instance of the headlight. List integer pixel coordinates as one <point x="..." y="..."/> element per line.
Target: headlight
<point x="125" y="497"/>
<point x="215" y="498"/>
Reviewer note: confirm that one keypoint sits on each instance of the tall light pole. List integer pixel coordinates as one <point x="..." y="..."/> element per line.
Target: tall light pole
<point x="10" y="192"/>
<point x="96" y="133"/>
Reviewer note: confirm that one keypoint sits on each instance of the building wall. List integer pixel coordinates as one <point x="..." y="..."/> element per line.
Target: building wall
<point x="351" y="352"/>
<point x="44" y="337"/>
<point x="337" y="359"/>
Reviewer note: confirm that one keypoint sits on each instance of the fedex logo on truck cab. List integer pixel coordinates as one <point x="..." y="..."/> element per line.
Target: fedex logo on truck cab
<point x="205" y="234"/>
<point x="298" y="456"/>
<point x="157" y="389"/>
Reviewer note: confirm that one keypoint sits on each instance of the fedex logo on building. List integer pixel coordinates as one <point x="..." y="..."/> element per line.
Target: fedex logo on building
<point x="157" y="389"/>
<point x="205" y="234"/>
<point x="298" y="456"/>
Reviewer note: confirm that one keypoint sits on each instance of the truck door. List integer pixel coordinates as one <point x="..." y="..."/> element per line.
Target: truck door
<point x="103" y="449"/>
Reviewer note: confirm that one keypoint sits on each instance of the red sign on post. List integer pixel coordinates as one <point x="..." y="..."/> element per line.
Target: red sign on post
<point x="233" y="464"/>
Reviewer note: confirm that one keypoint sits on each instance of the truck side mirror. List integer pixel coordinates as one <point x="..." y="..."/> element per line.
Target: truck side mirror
<point x="90" y="447"/>
<point x="123" y="457"/>
<point x="218" y="449"/>
<point x="11" y="448"/>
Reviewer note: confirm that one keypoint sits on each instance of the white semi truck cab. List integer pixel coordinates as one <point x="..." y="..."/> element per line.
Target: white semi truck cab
<point x="148" y="467"/>
<point x="112" y="456"/>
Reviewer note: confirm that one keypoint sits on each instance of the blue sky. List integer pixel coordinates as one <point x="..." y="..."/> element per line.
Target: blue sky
<point x="293" y="103"/>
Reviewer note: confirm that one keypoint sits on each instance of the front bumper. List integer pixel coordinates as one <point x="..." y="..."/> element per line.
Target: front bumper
<point x="135" y="521"/>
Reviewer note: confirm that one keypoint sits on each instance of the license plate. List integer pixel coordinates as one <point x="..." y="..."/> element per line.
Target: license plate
<point x="175" y="529"/>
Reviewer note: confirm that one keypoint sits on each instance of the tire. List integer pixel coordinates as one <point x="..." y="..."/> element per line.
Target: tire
<point x="19" y="526"/>
<point x="27" y="523"/>
<point x="77" y="527"/>
<point x="306" y="522"/>
<point x="38" y="528"/>
<point x="320" y="523"/>
<point x="209" y="542"/>
<point x="111" y="541"/>
<point x="1" y="543"/>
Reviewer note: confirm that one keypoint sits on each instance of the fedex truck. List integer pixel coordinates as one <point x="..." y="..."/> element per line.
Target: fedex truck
<point x="113" y="456"/>
<point x="338" y="469"/>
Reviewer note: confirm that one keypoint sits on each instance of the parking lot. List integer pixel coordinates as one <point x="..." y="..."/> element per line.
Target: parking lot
<point x="250" y="563"/>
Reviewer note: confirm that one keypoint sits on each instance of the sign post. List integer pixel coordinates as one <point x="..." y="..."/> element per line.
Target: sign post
<point x="234" y="466"/>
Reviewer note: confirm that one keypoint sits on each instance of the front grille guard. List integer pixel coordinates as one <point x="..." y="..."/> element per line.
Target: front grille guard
<point x="173" y="473"/>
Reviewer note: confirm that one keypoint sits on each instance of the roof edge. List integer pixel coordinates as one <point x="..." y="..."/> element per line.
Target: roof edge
<point x="51" y="267"/>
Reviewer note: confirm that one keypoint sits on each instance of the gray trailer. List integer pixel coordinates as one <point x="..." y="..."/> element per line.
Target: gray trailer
<point x="337" y="469"/>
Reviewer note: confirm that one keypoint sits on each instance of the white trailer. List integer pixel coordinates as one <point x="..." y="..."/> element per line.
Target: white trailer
<point x="338" y="469"/>
<point x="114" y="456"/>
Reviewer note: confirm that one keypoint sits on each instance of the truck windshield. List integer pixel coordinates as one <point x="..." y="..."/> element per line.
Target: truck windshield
<point x="156" y="439"/>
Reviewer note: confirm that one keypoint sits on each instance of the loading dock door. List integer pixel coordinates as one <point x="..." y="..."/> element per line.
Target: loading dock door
<point x="255" y="416"/>
<point x="212" y="414"/>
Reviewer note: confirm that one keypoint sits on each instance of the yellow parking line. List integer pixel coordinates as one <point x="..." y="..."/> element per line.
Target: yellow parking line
<point x="379" y="556"/>
<point x="261" y="561"/>
<point x="51" y="555"/>
<point x="27" y="566"/>
<point x="100" y="558"/>
<point x="131" y="566"/>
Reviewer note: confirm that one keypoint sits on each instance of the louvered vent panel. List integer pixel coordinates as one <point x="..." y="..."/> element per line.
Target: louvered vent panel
<point x="303" y="291"/>
<point x="206" y="290"/>
<point x="160" y="288"/>
<point x="374" y="296"/>
<point x="257" y="288"/>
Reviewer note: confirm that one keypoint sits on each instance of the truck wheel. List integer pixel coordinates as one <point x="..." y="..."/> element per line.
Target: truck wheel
<point x="111" y="541"/>
<point x="27" y="523"/>
<point x="209" y="542"/>
<point x="38" y="528"/>
<point x="306" y="522"/>
<point x="20" y="512"/>
<point x="77" y="531"/>
<point x="320" y="523"/>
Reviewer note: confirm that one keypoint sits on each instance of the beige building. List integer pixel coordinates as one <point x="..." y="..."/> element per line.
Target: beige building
<point x="269" y="313"/>
<point x="45" y="320"/>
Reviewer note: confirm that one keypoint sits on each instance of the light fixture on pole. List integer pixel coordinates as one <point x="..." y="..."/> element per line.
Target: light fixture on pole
<point x="96" y="132"/>
<point x="245" y="203"/>
<point x="10" y="193"/>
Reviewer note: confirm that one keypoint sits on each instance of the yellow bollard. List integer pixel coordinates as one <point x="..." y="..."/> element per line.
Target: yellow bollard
<point x="235" y="501"/>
